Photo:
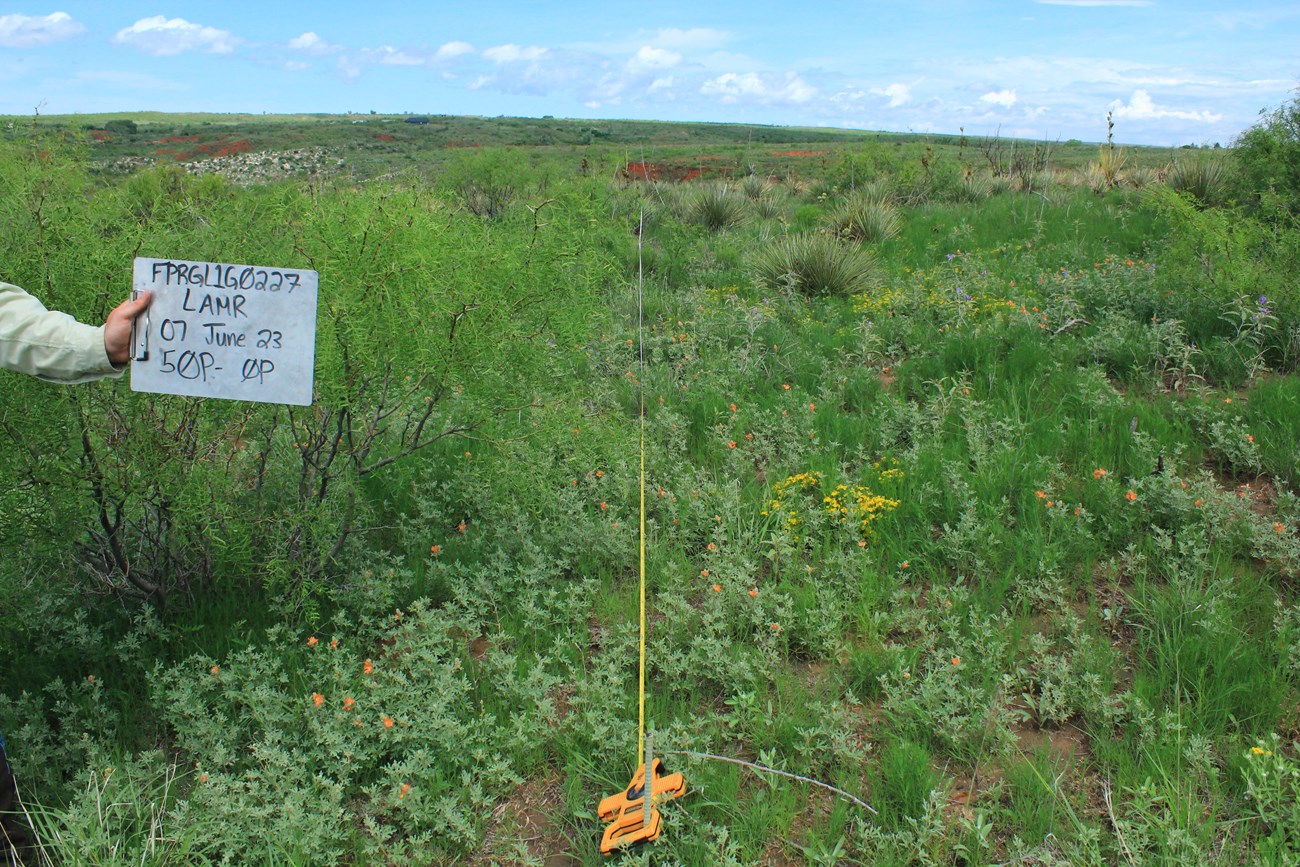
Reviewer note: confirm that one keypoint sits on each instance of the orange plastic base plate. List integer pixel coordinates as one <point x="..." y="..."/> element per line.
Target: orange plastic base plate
<point x="626" y="811"/>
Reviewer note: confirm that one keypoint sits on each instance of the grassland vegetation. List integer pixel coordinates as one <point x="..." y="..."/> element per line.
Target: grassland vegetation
<point x="981" y="507"/>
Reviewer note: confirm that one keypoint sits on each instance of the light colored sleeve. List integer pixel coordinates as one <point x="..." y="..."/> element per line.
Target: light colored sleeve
<point x="47" y="344"/>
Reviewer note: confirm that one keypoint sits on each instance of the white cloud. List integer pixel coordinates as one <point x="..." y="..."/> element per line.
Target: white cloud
<point x="163" y="37"/>
<point x="1005" y="98"/>
<point x="452" y="50"/>
<point x="734" y="87"/>
<point x="22" y="31"/>
<point x="512" y="53"/>
<point x="387" y="55"/>
<point x="898" y="94"/>
<point x="313" y="44"/>
<point x="648" y="58"/>
<point x="1142" y="107"/>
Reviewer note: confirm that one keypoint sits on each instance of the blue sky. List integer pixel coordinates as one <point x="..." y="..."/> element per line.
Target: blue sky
<point x="1170" y="72"/>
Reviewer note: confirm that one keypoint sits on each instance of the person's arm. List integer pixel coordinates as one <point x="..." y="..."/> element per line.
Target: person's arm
<point x="56" y="347"/>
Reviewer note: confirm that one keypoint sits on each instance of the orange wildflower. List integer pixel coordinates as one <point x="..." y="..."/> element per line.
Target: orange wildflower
<point x="312" y="641"/>
<point x="1042" y="495"/>
<point x="731" y="445"/>
<point x="317" y="699"/>
<point x="776" y="627"/>
<point x="368" y="666"/>
<point x="388" y="722"/>
<point x="435" y="550"/>
<point x="753" y="591"/>
<point x="1250" y="438"/>
<point x="334" y="644"/>
<point x="956" y="660"/>
<point x="904" y="565"/>
<point x="1099" y="473"/>
<point x="406" y="787"/>
<point x="786" y="386"/>
<point x="1131" y="496"/>
<point x="812" y="407"/>
<point x="216" y="669"/>
<point x="733" y="407"/>
<point x="461" y="526"/>
<point x="704" y="573"/>
<point x="711" y="547"/>
<point x="1278" y="528"/>
<point x="717" y="588"/>
<point x="604" y="505"/>
<point x="349" y="703"/>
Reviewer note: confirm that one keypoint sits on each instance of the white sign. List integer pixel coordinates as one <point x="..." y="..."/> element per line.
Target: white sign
<point x="239" y="332"/>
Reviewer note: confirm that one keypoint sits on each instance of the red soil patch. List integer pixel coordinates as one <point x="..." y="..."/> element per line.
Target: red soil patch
<point x="176" y="139"/>
<point x="100" y="135"/>
<point x="382" y="136"/>
<point x="659" y="172"/>
<point x="211" y="149"/>
<point x="224" y="149"/>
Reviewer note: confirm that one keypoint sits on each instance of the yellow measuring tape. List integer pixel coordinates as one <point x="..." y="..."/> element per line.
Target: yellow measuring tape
<point x="640" y="383"/>
<point x="640" y="742"/>
<point x="632" y="815"/>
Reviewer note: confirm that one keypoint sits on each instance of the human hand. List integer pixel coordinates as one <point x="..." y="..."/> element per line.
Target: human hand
<point x="117" y="327"/>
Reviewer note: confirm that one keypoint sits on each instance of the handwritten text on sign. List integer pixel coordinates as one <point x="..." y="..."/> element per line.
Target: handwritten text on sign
<point x="241" y="332"/>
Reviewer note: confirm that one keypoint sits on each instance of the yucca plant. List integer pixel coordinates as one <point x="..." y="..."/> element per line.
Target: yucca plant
<point x="1206" y="179"/>
<point x="717" y="206"/>
<point x="974" y="187"/>
<point x="868" y="220"/>
<point x="772" y="205"/>
<point x="1110" y="163"/>
<point x="879" y="189"/>
<point x="1139" y="177"/>
<point x="816" y="263"/>
<point x="756" y="186"/>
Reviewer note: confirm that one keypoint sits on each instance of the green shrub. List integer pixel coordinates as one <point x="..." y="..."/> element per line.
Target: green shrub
<point x="1268" y="155"/>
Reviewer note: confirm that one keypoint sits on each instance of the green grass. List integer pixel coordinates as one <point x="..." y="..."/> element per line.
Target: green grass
<point x="1083" y="587"/>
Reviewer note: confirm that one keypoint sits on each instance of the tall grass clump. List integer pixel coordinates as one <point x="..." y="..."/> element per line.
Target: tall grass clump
<point x="868" y="220"/>
<point x="717" y="207"/>
<point x="816" y="263"/>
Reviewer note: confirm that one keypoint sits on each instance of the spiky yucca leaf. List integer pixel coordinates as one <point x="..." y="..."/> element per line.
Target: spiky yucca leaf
<point x="868" y="220"/>
<point x="717" y="206"/>
<point x="816" y="263"/>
